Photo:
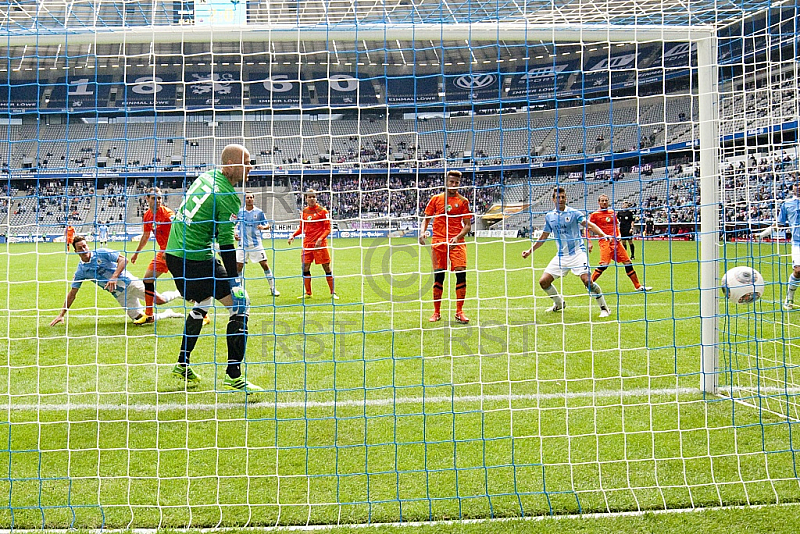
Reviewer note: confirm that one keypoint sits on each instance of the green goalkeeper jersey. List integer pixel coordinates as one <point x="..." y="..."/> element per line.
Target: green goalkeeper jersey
<point x="208" y="211"/>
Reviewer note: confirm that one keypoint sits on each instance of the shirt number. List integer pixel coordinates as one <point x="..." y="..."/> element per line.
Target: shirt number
<point x="189" y="213"/>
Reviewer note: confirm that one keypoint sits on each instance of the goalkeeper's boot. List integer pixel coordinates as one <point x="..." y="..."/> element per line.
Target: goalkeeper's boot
<point x="187" y="374"/>
<point x="334" y="296"/>
<point x="240" y="384"/>
<point x="143" y="320"/>
<point x="644" y="289"/>
<point x="461" y="318"/>
<point x="206" y="320"/>
<point x="436" y="317"/>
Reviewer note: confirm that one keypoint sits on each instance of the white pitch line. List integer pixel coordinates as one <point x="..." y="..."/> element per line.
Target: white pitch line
<point x="286" y="309"/>
<point x="489" y="522"/>
<point x="173" y="406"/>
<point x="439" y="399"/>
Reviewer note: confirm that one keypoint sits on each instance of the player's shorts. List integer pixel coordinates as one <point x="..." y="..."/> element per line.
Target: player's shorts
<point x="158" y="264"/>
<point x="196" y="280"/>
<point x="130" y="298"/>
<point x="256" y="254"/>
<point x="578" y="263"/>
<point x="795" y="255"/>
<point x="612" y="250"/>
<point x="625" y="233"/>
<point x="319" y="255"/>
<point x="441" y="252"/>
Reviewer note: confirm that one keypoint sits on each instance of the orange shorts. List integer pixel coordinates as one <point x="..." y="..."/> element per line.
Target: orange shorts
<point x="441" y="252"/>
<point x="159" y="264"/>
<point x="320" y="255"/>
<point x="613" y="251"/>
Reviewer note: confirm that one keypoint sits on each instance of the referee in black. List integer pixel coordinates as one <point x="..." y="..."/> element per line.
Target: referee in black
<point x="626" y="218"/>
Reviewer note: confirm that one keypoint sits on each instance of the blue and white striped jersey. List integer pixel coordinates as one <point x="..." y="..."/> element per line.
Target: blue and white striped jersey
<point x="565" y="227"/>
<point x="100" y="268"/>
<point x="247" y="224"/>
<point x="789" y="215"/>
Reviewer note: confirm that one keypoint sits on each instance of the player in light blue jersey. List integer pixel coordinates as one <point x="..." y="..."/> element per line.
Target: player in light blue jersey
<point x="102" y="234"/>
<point x="565" y="224"/>
<point x="250" y="222"/>
<point x="789" y="219"/>
<point x="106" y="268"/>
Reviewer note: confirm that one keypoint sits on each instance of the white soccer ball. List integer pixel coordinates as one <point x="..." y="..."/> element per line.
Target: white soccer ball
<point x="742" y="285"/>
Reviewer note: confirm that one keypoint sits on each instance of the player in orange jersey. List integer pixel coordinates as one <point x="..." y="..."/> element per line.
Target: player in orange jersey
<point x="315" y="225"/>
<point x="69" y="235"/>
<point x="611" y="249"/>
<point x="451" y="222"/>
<point x="159" y="219"/>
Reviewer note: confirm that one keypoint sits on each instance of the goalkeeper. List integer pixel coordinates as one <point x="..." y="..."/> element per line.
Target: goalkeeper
<point x="106" y="268"/>
<point x="208" y="212"/>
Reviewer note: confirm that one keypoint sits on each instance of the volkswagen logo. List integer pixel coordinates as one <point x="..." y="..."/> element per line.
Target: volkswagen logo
<point x="474" y="81"/>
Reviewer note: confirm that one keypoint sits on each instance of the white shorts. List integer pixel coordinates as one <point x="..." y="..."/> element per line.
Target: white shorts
<point x="131" y="298"/>
<point x="256" y="254"/>
<point x="795" y="255"/>
<point x="578" y="263"/>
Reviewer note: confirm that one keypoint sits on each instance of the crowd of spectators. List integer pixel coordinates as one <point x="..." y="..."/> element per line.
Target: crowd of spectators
<point x="753" y="189"/>
<point x="395" y="196"/>
<point x="377" y="153"/>
<point x="55" y="204"/>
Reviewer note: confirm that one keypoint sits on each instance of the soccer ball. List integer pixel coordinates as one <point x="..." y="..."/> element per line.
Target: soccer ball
<point x="742" y="285"/>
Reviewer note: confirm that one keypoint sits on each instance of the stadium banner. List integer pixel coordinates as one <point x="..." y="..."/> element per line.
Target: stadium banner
<point x="156" y="86"/>
<point x="471" y="86"/>
<point x="150" y="91"/>
<point x="21" y="94"/>
<point x="212" y="89"/>
<point x="277" y="90"/>
<point x="344" y="89"/>
<point x="410" y="90"/>
<point x="541" y="81"/>
<point x="496" y="233"/>
<point x="378" y="233"/>
<point x="80" y="92"/>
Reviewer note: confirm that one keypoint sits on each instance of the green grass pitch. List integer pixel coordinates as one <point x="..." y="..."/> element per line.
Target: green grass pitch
<point x="374" y="414"/>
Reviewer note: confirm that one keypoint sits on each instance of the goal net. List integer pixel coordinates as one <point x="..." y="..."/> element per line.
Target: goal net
<point x="371" y="411"/>
<point x="758" y="171"/>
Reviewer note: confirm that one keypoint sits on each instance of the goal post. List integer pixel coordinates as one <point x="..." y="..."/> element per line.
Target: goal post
<point x="291" y="33"/>
<point x="707" y="74"/>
